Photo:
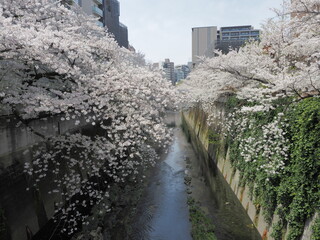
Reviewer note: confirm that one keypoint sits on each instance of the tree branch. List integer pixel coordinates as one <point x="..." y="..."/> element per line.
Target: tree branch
<point x="26" y="123"/>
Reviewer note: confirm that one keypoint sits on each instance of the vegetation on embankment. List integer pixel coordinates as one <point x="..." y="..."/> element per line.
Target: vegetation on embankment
<point x="278" y="155"/>
<point x="202" y="226"/>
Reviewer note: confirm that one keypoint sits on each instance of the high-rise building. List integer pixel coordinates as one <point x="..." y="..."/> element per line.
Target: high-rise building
<point x="178" y="74"/>
<point x="111" y="14"/>
<point x="171" y="72"/>
<point x="206" y="39"/>
<point x="123" y="36"/>
<point x="92" y="8"/>
<point x="190" y="66"/>
<point x="168" y="69"/>
<point x="108" y="13"/>
<point x="181" y="72"/>
<point x="202" y="39"/>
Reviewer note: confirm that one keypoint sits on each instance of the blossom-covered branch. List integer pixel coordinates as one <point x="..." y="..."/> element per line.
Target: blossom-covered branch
<point x="55" y="61"/>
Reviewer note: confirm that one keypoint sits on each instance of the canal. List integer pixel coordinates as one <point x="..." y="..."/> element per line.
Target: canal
<point x="157" y="208"/>
<point x="163" y="213"/>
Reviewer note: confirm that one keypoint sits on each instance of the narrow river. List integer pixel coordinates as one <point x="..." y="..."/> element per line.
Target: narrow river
<point x="163" y="211"/>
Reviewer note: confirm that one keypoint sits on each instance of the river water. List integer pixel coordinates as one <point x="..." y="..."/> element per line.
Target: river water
<point x="163" y="211"/>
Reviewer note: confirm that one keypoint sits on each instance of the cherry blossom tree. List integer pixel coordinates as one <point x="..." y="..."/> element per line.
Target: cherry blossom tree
<point x="267" y="78"/>
<point x="55" y="61"/>
<point x="285" y="62"/>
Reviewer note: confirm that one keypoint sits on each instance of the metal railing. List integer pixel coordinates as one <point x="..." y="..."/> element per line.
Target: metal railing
<point x="100" y="24"/>
<point x="97" y="11"/>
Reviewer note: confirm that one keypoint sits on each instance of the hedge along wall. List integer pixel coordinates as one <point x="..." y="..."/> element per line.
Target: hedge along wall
<point x="284" y="206"/>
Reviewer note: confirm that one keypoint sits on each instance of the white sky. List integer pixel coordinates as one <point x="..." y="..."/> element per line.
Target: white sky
<point x="162" y="28"/>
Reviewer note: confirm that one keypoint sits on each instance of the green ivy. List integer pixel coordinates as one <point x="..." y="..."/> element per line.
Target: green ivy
<point x="302" y="180"/>
<point x="316" y="230"/>
<point x="297" y="189"/>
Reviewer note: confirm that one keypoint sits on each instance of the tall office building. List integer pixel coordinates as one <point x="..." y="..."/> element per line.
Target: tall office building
<point x="92" y="8"/>
<point x="178" y="74"/>
<point x="167" y="69"/>
<point x="123" y="36"/>
<point x="204" y="41"/>
<point x="108" y="13"/>
<point x="181" y="72"/>
<point x="111" y="14"/>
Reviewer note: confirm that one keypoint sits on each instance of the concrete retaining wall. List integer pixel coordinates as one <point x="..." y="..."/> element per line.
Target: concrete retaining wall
<point x="195" y="120"/>
<point x="25" y="209"/>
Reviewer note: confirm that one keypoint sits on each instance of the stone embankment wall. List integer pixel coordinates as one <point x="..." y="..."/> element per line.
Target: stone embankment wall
<point x="21" y="210"/>
<point x="195" y="125"/>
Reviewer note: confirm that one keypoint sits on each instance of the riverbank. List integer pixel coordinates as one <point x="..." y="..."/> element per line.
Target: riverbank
<point x="163" y="212"/>
<point x="214" y="196"/>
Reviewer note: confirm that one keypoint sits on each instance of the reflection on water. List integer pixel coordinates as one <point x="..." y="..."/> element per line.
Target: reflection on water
<point x="163" y="213"/>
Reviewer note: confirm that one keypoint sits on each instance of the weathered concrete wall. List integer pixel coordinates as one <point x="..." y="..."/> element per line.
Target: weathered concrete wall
<point x="15" y="137"/>
<point x="195" y="121"/>
<point x="21" y="207"/>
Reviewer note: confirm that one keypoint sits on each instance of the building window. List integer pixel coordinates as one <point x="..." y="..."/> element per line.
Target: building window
<point x="232" y="29"/>
<point x="255" y="32"/>
<point x="244" y="33"/>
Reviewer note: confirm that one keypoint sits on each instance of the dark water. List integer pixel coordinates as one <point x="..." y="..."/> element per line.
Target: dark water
<point x="163" y="213"/>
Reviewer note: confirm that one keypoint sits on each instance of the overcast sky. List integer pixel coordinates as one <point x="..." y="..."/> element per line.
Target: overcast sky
<point x="162" y="28"/>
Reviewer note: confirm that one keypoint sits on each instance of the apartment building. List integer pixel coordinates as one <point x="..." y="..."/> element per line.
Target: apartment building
<point x="234" y="37"/>
<point x="108" y="14"/>
<point x="168" y="68"/>
<point x="206" y="39"/>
